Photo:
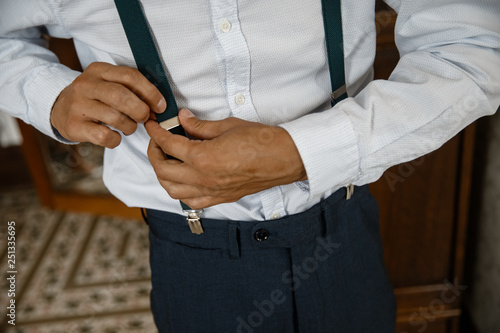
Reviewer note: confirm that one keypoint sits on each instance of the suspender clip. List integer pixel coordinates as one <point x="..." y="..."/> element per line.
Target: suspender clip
<point x="349" y="191"/>
<point x="194" y="220"/>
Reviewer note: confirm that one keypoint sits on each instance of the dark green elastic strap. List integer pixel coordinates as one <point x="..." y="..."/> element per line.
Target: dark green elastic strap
<point x="149" y="63"/>
<point x="145" y="52"/>
<point x="332" y="20"/>
<point x="147" y="58"/>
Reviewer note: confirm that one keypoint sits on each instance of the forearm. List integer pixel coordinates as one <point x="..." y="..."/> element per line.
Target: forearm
<point x="31" y="77"/>
<point x="448" y="76"/>
<point x="30" y="81"/>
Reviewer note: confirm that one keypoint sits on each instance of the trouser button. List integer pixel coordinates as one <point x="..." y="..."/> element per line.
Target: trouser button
<point x="261" y="235"/>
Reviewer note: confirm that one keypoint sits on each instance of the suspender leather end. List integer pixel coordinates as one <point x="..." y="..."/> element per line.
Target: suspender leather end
<point x="170" y="123"/>
<point x="338" y="93"/>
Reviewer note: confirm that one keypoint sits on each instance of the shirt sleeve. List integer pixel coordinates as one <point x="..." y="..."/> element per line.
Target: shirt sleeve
<point x="447" y="77"/>
<point x="31" y="77"/>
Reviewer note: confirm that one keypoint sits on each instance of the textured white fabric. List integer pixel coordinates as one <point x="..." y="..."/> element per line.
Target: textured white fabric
<point x="272" y="54"/>
<point x="9" y="131"/>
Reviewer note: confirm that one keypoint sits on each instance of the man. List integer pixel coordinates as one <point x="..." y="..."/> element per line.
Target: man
<point x="285" y="247"/>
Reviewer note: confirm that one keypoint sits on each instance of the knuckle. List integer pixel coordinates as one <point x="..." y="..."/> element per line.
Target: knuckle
<point x="79" y="84"/>
<point x="99" y="66"/>
<point x="103" y="137"/>
<point x="198" y="163"/>
<point x="114" y="96"/>
<point x="127" y="77"/>
<point x="195" y="203"/>
<point x="96" y="68"/>
<point x="100" y="138"/>
<point x="161" y="172"/>
<point x="173" y="191"/>
<point x="130" y="74"/>
<point x="73" y="105"/>
<point x="117" y="119"/>
<point x="93" y="66"/>
<point x="200" y="160"/>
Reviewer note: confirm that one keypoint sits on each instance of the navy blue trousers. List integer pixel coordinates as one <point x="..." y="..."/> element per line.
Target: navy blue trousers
<point x="318" y="271"/>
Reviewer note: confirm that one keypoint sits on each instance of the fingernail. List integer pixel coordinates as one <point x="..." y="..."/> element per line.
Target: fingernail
<point x="186" y="113"/>
<point x="162" y="105"/>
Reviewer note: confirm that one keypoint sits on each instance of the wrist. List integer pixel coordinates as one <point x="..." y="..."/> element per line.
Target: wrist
<point x="52" y="118"/>
<point x="295" y="167"/>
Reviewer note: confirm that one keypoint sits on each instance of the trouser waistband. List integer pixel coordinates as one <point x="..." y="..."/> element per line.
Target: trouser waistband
<point x="287" y="231"/>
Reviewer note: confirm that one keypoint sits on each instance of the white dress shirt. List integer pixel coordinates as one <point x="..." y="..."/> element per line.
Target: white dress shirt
<point x="266" y="61"/>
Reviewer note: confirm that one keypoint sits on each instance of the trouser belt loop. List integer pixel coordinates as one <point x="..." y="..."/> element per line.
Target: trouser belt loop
<point x="233" y="240"/>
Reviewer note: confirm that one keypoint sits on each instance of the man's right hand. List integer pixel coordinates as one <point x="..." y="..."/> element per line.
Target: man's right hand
<point x="102" y="95"/>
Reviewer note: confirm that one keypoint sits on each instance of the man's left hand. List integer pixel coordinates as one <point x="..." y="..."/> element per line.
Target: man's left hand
<point x="227" y="159"/>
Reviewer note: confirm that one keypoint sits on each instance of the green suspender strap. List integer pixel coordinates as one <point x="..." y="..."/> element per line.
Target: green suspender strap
<point x="150" y="65"/>
<point x="332" y="20"/>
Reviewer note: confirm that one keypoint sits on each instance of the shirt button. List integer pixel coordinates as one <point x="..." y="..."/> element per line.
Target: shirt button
<point x="275" y="216"/>
<point x="225" y="26"/>
<point x="261" y="235"/>
<point x="239" y="99"/>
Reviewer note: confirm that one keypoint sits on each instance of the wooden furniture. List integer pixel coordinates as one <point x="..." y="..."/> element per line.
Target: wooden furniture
<point x="423" y="210"/>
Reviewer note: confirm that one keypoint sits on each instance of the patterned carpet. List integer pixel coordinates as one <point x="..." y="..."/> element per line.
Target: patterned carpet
<point x="75" y="272"/>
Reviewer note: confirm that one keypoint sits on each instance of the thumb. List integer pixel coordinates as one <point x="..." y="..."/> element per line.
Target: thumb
<point x="202" y="129"/>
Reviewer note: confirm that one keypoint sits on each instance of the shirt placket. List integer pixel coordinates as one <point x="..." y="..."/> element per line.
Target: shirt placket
<point x="235" y="54"/>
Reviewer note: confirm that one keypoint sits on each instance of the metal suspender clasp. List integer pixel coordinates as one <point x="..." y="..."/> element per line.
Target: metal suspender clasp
<point x="349" y="191"/>
<point x="194" y="220"/>
<point x="338" y="93"/>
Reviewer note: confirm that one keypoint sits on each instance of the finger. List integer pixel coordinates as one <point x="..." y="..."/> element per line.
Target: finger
<point x="155" y="154"/>
<point x="135" y="81"/>
<point x="205" y="129"/>
<point x="182" y="191"/>
<point x="205" y="201"/>
<point x="170" y="170"/>
<point x="122" y="99"/>
<point x="99" y="135"/>
<point x="174" y="145"/>
<point x="100" y="112"/>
